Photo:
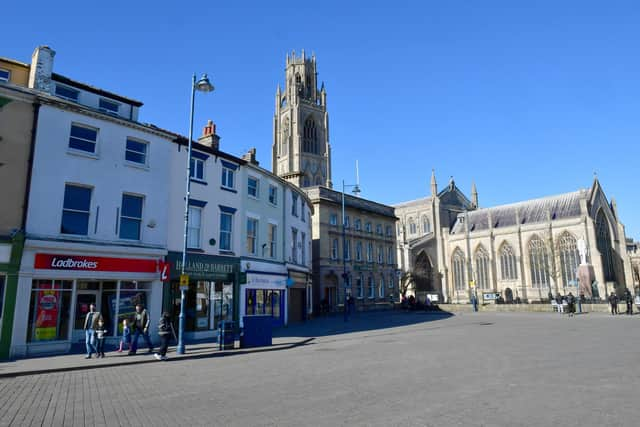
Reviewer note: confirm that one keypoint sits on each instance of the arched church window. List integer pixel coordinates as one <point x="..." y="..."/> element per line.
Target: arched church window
<point x="569" y="259"/>
<point x="318" y="180"/>
<point x="306" y="182"/>
<point x="458" y="270"/>
<point x="412" y="226"/>
<point x="603" y="242"/>
<point x="309" y="141"/>
<point x="283" y="103"/>
<point x="286" y="132"/>
<point x="426" y="225"/>
<point x="538" y="263"/>
<point x="508" y="268"/>
<point x="482" y="268"/>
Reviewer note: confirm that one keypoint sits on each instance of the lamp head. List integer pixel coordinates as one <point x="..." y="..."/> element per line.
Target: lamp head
<point x="204" y="85"/>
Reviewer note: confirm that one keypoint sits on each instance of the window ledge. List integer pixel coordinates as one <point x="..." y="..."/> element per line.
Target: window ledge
<point x="195" y="250"/>
<point x="81" y="153"/>
<point x="231" y="190"/>
<point x="135" y="165"/>
<point x="198" y="181"/>
<point x="222" y="252"/>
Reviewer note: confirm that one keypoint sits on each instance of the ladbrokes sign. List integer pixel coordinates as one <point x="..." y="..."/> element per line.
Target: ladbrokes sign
<point x="88" y="263"/>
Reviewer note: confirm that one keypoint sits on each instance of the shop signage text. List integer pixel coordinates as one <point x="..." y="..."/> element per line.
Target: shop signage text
<point x="88" y="263"/>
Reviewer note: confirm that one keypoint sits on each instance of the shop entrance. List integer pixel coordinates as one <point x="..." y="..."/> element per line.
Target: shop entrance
<point x="103" y="295"/>
<point x="83" y="300"/>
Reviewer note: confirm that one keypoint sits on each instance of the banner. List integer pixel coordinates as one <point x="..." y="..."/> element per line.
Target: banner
<point x="92" y="263"/>
<point x="46" y="327"/>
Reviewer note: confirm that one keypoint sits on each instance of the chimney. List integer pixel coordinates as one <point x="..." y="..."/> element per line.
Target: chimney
<point x="209" y="137"/>
<point x="251" y="157"/>
<point x="41" y="69"/>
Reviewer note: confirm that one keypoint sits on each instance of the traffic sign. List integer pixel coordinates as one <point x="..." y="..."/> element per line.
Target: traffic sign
<point x="184" y="281"/>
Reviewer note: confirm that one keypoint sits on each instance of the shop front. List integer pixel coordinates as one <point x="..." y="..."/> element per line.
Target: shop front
<point x="299" y="301"/>
<point x="265" y="294"/>
<point x="211" y="296"/>
<point x="57" y="288"/>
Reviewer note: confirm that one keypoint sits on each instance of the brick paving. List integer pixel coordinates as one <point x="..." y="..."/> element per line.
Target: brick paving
<point x="379" y="369"/>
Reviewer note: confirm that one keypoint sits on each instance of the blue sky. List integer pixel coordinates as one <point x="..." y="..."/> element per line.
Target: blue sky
<point x="527" y="99"/>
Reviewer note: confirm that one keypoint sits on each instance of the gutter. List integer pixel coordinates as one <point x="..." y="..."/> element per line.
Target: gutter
<point x="34" y="129"/>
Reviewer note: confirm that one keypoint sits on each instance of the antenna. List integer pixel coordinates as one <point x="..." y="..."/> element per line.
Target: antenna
<point x="356" y="188"/>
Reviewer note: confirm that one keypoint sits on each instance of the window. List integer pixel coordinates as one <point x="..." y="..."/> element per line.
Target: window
<point x="569" y="259"/>
<point x="359" y="251"/>
<point x="482" y="268"/>
<point x="412" y="226"/>
<point x="294" y="204"/>
<point x="346" y="221"/>
<point x="538" y="263"/>
<point x="603" y="243"/>
<point x="4" y="77"/>
<point x="390" y="281"/>
<point x="273" y="194"/>
<point x="252" y="236"/>
<point x="347" y="250"/>
<point x="372" y="287"/>
<point x="272" y="236"/>
<point x="379" y="229"/>
<point x="108" y="107"/>
<point x="253" y="187"/>
<point x="131" y="217"/>
<point x="83" y="138"/>
<point x="458" y="270"/>
<point x="303" y="252"/>
<point x="227" y="177"/>
<point x="369" y="252"/>
<point x="333" y="219"/>
<point x="50" y="310"/>
<point x="380" y="255"/>
<point x="67" y="93"/>
<point x="508" y="263"/>
<point x="388" y="230"/>
<point x="294" y="245"/>
<point x="302" y="210"/>
<point x="390" y="255"/>
<point x="193" y="231"/>
<point x="367" y="227"/>
<point x="334" y="249"/>
<point x="310" y="137"/>
<point x="358" y="224"/>
<point x="381" y="287"/>
<point x="75" y="211"/>
<point x="226" y="231"/>
<point x="426" y="225"/>
<point x="197" y="169"/>
<point x="359" y="287"/>
<point x="136" y="151"/>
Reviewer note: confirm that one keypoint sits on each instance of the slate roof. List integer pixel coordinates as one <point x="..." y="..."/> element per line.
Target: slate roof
<point x="530" y="211"/>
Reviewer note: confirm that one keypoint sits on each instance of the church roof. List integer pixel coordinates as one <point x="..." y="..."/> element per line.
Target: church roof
<point x="530" y="211"/>
<point x="417" y="202"/>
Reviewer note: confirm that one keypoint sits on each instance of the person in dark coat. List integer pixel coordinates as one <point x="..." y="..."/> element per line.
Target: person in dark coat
<point x="613" y="300"/>
<point x="628" y="298"/>
<point x="165" y="330"/>
<point x="571" y="304"/>
<point x="559" y="302"/>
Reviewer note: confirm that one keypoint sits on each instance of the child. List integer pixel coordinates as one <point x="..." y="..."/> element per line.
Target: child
<point x="165" y="329"/>
<point x="100" y="337"/>
<point x="126" y="336"/>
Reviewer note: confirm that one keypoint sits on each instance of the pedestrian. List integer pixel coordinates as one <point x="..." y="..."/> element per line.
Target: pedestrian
<point x="571" y="304"/>
<point x="559" y="300"/>
<point x="141" y="327"/>
<point x="628" y="298"/>
<point x="126" y="336"/>
<point x="101" y="333"/>
<point x="165" y="330"/>
<point x="613" y="300"/>
<point x="90" y="326"/>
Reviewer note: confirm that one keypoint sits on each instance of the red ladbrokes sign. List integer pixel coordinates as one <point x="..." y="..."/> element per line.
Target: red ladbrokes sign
<point x="89" y="263"/>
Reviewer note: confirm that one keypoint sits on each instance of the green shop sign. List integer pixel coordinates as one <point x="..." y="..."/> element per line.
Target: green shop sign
<point x="204" y="267"/>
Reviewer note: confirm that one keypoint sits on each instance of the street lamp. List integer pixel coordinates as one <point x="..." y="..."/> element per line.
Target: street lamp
<point x="202" y="85"/>
<point x="356" y="190"/>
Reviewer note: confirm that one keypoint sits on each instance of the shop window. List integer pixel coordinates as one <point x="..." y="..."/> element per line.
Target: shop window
<point x="131" y="294"/>
<point x="49" y="310"/>
<point x="263" y="302"/>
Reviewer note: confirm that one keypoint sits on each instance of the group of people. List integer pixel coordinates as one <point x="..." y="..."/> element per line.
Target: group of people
<point x="626" y="297"/>
<point x="132" y="329"/>
<point x="569" y="300"/>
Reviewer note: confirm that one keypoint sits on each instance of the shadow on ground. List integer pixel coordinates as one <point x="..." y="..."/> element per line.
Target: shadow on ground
<point x="334" y="324"/>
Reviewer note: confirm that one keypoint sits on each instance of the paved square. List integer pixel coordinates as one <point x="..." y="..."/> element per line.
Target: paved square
<point x="386" y="369"/>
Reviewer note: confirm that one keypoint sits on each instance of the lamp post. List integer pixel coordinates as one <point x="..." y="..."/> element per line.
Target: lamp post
<point x="356" y="190"/>
<point x="203" y="85"/>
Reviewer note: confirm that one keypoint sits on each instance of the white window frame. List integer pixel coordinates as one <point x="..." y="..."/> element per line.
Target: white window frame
<point x="273" y="195"/>
<point x="87" y="212"/>
<point x="194" y="168"/>
<point x="226" y="232"/>
<point x="333" y="219"/>
<point x="107" y="101"/>
<point x="255" y="188"/>
<point x="369" y="252"/>
<point x="380" y="254"/>
<point x="68" y="98"/>
<point x="192" y="209"/>
<point x="228" y="174"/>
<point x="371" y="286"/>
<point x="334" y="249"/>
<point x="359" y="251"/>
<point x="146" y="152"/>
<point x="93" y="153"/>
<point x="294" y="245"/>
<point x="272" y="234"/>
<point x="6" y="80"/>
<point x="253" y="238"/>
<point x="381" y="286"/>
<point x="122" y="216"/>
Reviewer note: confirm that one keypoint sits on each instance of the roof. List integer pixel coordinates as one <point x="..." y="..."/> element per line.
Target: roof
<point x="531" y="211"/>
<point x="318" y="192"/>
<point x="417" y="202"/>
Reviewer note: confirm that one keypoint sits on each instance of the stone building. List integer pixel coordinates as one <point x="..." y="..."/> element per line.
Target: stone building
<point x="449" y="247"/>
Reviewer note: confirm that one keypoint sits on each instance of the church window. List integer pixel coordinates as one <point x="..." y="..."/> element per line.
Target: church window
<point x="569" y="259"/>
<point x="482" y="268"/>
<point x="412" y="226"/>
<point x="538" y="263"/>
<point x="306" y="182"/>
<point x="508" y="263"/>
<point x="426" y="225"/>
<point x="603" y="242"/>
<point x="458" y="270"/>
<point x="310" y="137"/>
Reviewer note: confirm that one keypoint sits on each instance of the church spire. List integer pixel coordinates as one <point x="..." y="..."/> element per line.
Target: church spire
<point x="434" y="185"/>
<point x="474" y="196"/>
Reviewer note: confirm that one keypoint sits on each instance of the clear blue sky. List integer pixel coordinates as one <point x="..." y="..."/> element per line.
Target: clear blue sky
<point x="527" y="98"/>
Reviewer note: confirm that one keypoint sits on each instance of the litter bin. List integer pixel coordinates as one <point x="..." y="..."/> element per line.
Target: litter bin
<point x="226" y="336"/>
<point x="256" y="331"/>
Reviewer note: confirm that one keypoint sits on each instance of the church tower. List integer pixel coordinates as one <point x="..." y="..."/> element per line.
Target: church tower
<point x="301" y="153"/>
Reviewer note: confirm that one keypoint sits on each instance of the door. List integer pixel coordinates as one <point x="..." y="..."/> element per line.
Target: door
<point x="83" y="300"/>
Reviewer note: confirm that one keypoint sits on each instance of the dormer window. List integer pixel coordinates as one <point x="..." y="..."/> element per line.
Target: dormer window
<point x="67" y="93"/>
<point x="108" y="107"/>
<point x="4" y="75"/>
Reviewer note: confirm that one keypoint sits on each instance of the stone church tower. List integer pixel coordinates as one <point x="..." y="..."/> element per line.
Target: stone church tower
<point x="301" y="153"/>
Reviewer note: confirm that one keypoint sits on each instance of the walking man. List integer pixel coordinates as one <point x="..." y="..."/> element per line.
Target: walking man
<point x="90" y="324"/>
<point x="613" y="300"/>
<point x="141" y="327"/>
<point x="628" y="298"/>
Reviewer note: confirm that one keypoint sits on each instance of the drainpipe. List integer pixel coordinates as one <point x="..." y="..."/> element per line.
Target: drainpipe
<point x="32" y="147"/>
